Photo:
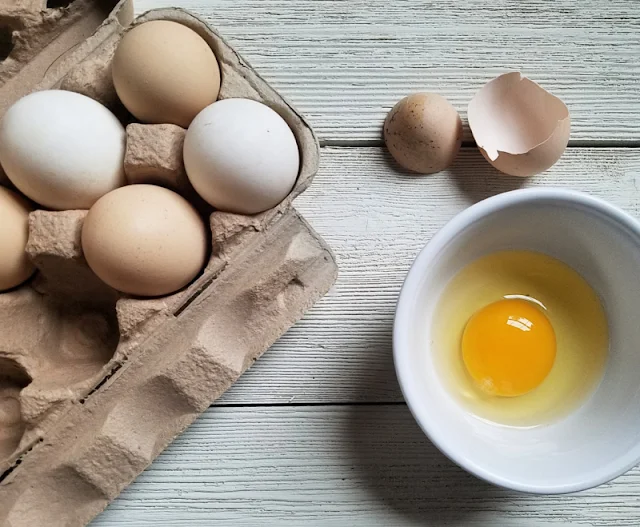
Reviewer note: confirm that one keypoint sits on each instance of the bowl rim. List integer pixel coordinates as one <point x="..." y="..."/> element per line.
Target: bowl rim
<point x="407" y="296"/>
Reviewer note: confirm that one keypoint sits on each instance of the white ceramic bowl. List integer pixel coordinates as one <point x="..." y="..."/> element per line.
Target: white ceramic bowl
<point x="597" y="442"/>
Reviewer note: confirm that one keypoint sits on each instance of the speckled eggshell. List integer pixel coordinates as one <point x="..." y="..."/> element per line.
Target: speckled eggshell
<point x="423" y="133"/>
<point x="15" y="267"/>
<point x="164" y="72"/>
<point x="145" y="240"/>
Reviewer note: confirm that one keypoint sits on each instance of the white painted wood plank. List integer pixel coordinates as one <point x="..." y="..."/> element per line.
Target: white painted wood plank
<point x="345" y="63"/>
<point x="377" y="218"/>
<point x="341" y="466"/>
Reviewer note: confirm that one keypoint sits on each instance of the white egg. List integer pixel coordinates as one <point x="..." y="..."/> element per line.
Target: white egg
<point x="62" y="149"/>
<point x="241" y="156"/>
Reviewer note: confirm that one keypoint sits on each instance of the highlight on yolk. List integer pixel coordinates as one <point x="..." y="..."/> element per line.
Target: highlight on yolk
<point x="509" y="347"/>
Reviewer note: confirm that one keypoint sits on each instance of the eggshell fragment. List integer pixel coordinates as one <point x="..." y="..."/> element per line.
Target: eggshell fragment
<point x="520" y="128"/>
<point x="423" y="133"/>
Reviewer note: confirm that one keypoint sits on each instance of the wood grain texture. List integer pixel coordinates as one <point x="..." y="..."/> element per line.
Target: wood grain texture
<point x="376" y="218"/>
<point x="356" y="457"/>
<point x="338" y="466"/>
<point x="344" y="64"/>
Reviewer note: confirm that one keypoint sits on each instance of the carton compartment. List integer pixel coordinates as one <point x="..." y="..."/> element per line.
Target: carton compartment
<point x="51" y="352"/>
<point x="6" y="43"/>
<point x="42" y="34"/>
<point x="12" y="380"/>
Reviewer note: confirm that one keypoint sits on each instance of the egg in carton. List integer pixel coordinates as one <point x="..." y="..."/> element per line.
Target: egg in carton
<point x="94" y="384"/>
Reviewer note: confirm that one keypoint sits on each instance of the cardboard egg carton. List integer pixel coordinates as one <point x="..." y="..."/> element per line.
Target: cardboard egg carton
<point x="95" y="384"/>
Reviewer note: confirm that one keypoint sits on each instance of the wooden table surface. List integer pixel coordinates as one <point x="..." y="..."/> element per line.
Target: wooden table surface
<point x="317" y="433"/>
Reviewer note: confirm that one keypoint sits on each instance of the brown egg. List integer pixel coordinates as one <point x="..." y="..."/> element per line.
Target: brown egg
<point x="164" y="72"/>
<point x="15" y="267"/>
<point x="423" y="132"/>
<point x="144" y="240"/>
<point x="520" y="128"/>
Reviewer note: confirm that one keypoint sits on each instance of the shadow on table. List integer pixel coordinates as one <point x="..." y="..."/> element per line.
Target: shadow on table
<point x="477" y="179"/>
<point x="471" y="173"/>
<point x="391" y="456"/>
<point x="396" y="463"/>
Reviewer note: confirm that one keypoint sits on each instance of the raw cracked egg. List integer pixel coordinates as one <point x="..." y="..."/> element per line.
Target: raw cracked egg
<point x="509" y="347"/>
<point x="520" y="128"/>
<point x="62" y="149"/>
<point x="520" y="338"/>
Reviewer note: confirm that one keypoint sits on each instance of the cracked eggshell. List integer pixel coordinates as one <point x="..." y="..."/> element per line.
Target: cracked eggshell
<point x="520" y="128"/>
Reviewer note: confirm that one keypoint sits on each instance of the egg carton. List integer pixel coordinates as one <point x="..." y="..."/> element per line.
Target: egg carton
<point x="94" y="384"/>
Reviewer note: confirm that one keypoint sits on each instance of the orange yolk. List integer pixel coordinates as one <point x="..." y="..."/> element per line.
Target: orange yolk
<point x="508" y="347"/>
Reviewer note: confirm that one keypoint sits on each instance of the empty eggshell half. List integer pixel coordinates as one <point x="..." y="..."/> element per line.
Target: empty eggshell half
<point x="520" y="128"/>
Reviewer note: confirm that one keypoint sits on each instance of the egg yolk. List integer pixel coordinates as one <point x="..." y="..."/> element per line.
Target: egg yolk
<point x="508" y="347"/>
